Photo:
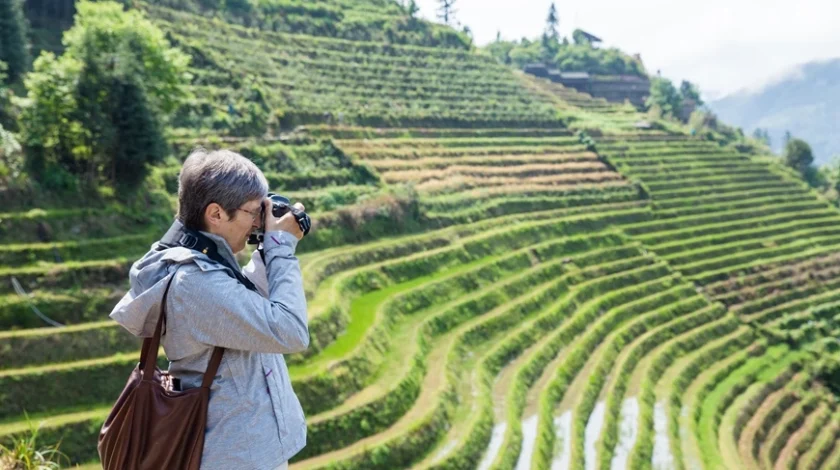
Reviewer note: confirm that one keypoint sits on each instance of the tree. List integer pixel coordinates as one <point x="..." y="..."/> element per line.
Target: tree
<point x="412" y="9"/>
<point x="762" y="135"/>
<point x="11" y="163"/>
<point x="239" y="7"/>
<point x="690" y="91"/>
<point x="13" y="46"/>
<point x="6" y="114"/>
<point x="549" y="46"/>
<point x="580" y="38"/>
<point x="665" y="96"/>
<point x="468" y="32"/>
<point x="446" y="11"/>
<point x="551" y="22"/>
<point x="786" y="138"/>
<point x="832" y="175"/>
<point x="500" y="49"/>
<point x="526" y="52"/>
<point x="551" y="38"/>
<point x="798" y="155"/>
<point x="140" y="136"/>
<point x="96" y="113"/>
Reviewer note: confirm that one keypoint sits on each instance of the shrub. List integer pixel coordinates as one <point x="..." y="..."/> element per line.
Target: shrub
<point x="13" y="47"/>
<point x="96" y="113"/>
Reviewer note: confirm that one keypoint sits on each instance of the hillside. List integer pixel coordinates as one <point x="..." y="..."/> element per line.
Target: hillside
<point x="806" y="103"/>
<point x="504" y="273"/>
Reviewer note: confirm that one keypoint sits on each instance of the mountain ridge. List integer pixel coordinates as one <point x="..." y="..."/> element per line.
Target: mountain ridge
<point x="804" y="102"/>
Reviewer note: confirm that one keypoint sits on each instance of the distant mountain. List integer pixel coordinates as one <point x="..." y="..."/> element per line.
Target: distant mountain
<point x="805" y="102"/>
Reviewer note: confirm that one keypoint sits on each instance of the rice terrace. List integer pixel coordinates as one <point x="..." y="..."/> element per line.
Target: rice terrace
<point x="505" y="271"/>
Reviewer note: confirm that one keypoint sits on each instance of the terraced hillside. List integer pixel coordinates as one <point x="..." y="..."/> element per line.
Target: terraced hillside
<point x="545" y="299"/>
<point x="316" y="78"/>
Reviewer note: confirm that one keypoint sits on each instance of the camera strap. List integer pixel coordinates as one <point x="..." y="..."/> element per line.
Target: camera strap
<point x="177" y="235"/>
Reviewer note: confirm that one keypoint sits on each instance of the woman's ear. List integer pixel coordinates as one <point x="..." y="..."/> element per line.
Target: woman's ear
<point x="213" y="215"/>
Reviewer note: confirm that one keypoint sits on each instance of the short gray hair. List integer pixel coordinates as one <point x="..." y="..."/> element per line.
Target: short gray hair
<point x="221" y="176"/>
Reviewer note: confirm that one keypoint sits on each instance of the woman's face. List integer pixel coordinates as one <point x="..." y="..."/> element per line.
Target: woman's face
<point x="237" y="229"/>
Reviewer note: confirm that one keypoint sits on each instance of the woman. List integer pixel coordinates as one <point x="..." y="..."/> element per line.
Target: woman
<point x="254" y="419"/>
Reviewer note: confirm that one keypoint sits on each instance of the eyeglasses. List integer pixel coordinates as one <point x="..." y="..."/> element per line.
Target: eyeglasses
<point x="254" y="214"/>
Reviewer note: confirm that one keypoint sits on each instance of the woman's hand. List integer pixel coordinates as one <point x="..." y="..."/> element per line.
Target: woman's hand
<point x="287" y="223"/>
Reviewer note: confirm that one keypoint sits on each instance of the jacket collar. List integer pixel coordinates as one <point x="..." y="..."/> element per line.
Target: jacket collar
<point x="222" y="245"/>
<point x="224" y="248"/>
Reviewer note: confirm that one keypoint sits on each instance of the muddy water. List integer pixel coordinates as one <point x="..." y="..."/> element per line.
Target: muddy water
<point x="529" y="438"/>
<point x="628" y="427"/>
<point x="663" y="459"/>
<point x="691" y="462"/>
<point x="445" y="450"/>
<point x="563" y="428"/>
<point x="493" y="448"/>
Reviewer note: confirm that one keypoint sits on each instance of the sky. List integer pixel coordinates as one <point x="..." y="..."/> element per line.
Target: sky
<point x="724" y="46"/>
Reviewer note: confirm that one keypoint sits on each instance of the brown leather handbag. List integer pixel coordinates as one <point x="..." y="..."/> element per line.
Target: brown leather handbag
<point x="152" y="426"/>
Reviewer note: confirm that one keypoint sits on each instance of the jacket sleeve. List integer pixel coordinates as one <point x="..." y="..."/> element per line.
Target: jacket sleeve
<point x="225" y="313"/>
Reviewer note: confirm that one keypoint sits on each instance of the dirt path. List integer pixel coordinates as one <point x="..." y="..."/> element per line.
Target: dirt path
<point x="776" y="431"/>
<point x="748" y="434"/>
<point x="789" y="452"/>
<point x="822" y="446"/>
<point x="432" y="389"/>
<point x="726" y="440"/>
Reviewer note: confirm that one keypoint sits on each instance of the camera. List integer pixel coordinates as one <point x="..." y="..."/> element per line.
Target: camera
<point x="280" y="206"/>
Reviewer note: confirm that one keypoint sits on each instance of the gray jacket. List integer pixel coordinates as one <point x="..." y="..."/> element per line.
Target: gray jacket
<point x="255" y="420"/>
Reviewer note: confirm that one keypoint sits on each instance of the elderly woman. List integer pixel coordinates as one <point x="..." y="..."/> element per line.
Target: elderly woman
<point x="254" y="418"/>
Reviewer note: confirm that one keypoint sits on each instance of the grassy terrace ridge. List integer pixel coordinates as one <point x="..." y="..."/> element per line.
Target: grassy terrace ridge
<point x="523" y="309"/>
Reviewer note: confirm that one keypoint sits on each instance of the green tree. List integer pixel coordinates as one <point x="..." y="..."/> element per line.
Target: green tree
<point x="11" y="161"/>
<point x="140" y="137"/>
<point x="832" y="175"/>
<point x="239" y="7"/>
<point x="761" y="135"/>
<point x="579" y="38"/>
<point x="13" y="46"/>
<point x="552" y="22"/>
<point x="500" y="49"/>
<point x="412" y="9"/>
<point x="551" y="38"/>
<point x="798" y="155"/>
<point x="690" y="91"/>
<point x="446" y="11"/>
<point x="526" y="52"/>
<point x="6" y="116"/>
<point x="548" y="48"/>
<point x="578" y="57"/>
<point x="665" y="96"/>
<point x="597" y="61"/>
<point x="96" y="113"/>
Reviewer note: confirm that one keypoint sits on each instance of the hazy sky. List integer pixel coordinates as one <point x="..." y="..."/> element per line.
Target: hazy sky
<point x="722" y="45"/>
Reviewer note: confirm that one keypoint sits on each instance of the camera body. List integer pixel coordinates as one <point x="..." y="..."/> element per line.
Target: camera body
<point x="280" y="206"/>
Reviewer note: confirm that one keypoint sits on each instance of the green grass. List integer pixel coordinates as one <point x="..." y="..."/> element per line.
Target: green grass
<point x="363" y="312"/>
<point x="763" y="368"/>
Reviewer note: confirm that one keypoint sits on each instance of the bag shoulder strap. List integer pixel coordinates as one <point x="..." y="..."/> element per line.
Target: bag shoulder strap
<point x="197" y="241"/>
<point x="149" y="353"/>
